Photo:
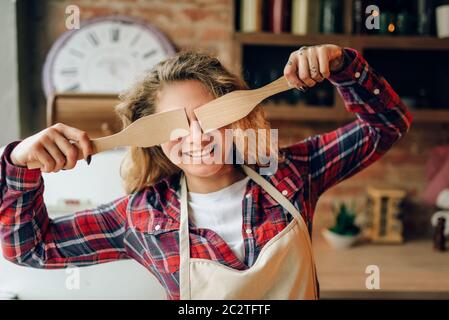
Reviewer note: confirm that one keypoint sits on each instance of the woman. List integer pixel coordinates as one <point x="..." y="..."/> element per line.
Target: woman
<point x="248" y="237"/>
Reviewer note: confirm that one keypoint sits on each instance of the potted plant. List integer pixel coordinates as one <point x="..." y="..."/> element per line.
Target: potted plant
<point x="345" y="232"/>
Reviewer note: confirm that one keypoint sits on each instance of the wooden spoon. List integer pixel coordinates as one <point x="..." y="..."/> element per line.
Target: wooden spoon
<point x="236" y="105"/>
<point x="144" y="132"/>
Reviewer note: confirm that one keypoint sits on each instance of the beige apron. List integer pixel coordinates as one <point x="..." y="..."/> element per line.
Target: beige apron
<point x="284" y="269"/>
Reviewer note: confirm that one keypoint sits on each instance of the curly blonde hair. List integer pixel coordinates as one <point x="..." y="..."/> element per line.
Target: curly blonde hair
<point x="144" y="167"/>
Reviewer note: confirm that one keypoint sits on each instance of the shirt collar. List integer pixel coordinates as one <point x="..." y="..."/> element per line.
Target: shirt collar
<point x="287" y="179"/>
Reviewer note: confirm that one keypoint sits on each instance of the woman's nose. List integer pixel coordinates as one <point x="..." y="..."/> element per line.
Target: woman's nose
<point x="195" y="132"/>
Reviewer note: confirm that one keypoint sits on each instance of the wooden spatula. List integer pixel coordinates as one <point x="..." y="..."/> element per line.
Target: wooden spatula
<point x="144" y="132"/>
<point x="235" y="105"/>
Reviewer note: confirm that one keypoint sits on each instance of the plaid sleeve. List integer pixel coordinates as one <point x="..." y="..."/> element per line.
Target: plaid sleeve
<point x="29" y="237"/>
<point x="382" y="119"/>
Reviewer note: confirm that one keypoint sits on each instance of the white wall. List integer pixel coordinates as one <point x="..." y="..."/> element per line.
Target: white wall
<point x="9" y="97"/>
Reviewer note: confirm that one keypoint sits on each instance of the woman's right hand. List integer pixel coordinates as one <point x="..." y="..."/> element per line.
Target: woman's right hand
<point x="53" y="149"/>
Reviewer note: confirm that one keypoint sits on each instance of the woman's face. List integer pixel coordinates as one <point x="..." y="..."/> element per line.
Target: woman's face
<point x="198" y="154"/>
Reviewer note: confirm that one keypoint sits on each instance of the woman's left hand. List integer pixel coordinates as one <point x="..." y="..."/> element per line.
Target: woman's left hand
<point x="310" y="65"/>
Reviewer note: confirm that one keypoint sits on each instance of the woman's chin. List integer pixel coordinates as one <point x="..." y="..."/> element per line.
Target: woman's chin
<point x="202" y="170"/>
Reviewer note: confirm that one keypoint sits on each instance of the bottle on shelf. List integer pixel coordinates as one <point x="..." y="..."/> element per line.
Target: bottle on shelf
<point x="331" y="14"/>
<point x="279" y="16"/>
<point x="305" y="17"/>
<point x="358" y="17"/>
<point x="439" y="240"/>
<point x="237" y="11"/>
<point x="251" y="15"/>
<point x="405" y="20"/>
<point x="425" y="17"/>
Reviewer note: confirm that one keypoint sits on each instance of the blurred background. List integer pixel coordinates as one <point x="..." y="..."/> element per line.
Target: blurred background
<point x="393" y="215"/>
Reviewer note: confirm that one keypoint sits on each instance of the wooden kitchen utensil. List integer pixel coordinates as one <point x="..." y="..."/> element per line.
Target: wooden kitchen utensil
<point x="236" y="105"/>
<point x="144" y="132"/>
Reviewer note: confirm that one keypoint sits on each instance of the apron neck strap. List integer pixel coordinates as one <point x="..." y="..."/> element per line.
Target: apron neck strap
<point x="275" y="194"/>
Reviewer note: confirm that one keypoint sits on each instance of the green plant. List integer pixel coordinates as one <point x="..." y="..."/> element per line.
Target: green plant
<point x="344" y="222"/>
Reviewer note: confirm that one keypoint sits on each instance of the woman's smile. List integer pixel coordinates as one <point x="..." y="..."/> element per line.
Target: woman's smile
<point x="206" y="152"/>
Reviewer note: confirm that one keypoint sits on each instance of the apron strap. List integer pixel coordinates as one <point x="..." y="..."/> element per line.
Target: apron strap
<point x="276" y="195"/>
<point x="184" y="245"/>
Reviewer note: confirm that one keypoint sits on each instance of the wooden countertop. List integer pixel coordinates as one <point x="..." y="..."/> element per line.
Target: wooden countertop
<point x="412" y="270"/>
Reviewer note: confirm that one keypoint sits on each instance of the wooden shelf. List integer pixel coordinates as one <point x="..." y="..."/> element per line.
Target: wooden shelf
<point x="354" y="41"/>
<point x="430" y="116"/>
<point x="298" y="113"/>
<point x="303" y="113"/>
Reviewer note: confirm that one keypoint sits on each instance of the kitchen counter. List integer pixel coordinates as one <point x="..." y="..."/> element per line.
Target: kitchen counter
<point x="413" y="270"/>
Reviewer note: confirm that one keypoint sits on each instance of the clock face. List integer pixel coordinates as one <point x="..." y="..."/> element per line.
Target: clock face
<point x="104" y="56"/>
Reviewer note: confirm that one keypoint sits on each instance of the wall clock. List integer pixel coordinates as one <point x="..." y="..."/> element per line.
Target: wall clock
<point x="104" y="56"/>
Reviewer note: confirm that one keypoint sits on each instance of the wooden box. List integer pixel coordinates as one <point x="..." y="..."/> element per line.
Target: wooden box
<point x="93" y="113"/>
<point x="384" y="211"/>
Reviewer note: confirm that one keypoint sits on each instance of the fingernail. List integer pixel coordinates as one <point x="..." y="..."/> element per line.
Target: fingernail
<point x="89" y="159"/>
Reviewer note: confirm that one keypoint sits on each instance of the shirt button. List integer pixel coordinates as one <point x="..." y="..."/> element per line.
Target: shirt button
<point x="284" y="192"/>
<point x="157" y="227"/>
<point x="376" y="91"/>
<point x="248" y="231"/>
<point x="357" y="75"/>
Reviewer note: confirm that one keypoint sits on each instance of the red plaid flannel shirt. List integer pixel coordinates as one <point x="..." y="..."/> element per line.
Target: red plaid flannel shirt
<point x="144" y="226"/>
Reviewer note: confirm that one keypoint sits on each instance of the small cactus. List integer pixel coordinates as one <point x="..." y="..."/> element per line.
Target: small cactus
<point x="344" y="222"/>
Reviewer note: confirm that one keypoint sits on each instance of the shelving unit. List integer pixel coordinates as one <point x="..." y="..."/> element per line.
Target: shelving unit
<point x="301" y="112"/>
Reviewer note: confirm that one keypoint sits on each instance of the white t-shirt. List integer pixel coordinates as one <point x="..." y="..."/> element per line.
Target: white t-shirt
<point x="221" y="211"/>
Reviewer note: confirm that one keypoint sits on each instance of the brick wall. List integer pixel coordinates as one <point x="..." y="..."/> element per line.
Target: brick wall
<point x="207" y="25"/>
<point x="404" y="166"/>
